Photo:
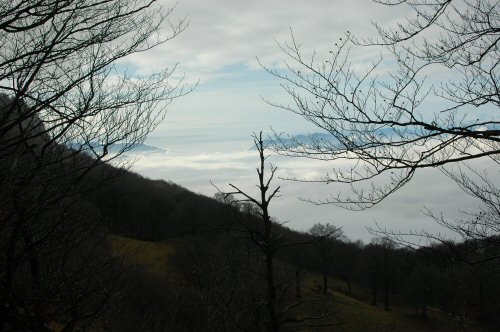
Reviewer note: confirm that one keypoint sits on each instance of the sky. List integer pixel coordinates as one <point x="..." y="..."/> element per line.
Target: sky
<point x="206" y="135"/>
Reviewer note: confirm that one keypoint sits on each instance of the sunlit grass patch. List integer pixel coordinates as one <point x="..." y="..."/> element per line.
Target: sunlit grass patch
<point x="153" y="256"/>
<point x="351" y="314"/>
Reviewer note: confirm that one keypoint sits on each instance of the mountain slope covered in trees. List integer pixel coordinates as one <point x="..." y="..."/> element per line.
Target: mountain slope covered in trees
<point x="433" y="285"/>
<point x="183" y="255"/>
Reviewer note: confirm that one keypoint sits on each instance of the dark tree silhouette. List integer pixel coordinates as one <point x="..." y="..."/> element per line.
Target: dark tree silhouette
<point x="67" y="107"/>
<point x="474" y="237"/>
<point x="266" y="239"/>
<point x="384" y="123"/>
<point x="269" y="238"/>
<point x="326" y="234"/>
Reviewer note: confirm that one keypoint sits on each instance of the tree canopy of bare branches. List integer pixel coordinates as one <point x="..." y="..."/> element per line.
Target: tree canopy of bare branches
<point x="398" y="116"/>
<point x="67" y="105"/>
<point x="61" y="61"/>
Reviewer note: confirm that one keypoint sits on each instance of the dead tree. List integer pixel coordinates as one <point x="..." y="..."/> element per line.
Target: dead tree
<point x="265" y="240"/>
<point x="268" y="239"/>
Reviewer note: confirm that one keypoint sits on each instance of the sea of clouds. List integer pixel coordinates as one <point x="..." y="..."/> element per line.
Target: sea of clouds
<point x="197" y="162"/>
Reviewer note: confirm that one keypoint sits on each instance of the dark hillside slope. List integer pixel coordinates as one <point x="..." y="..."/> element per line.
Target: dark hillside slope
<point x="148" y="209"/>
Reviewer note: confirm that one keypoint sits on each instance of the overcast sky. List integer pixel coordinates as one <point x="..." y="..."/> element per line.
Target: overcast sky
<point x="220" y="49"/>
<point x="207" y="133"/>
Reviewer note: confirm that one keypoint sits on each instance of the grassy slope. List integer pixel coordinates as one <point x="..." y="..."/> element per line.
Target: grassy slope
<point x="355" y="315"/>
<point x="151" y="255"/>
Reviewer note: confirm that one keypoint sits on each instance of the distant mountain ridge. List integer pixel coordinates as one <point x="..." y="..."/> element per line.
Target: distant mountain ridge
<point x="298" y="140"/>
<point x="313" y="139"/>
<point x="115" y="148"/>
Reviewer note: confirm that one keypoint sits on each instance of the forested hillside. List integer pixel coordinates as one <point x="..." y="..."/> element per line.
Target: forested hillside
<point x="433" y="285"/>
<point x="201" y="258"/>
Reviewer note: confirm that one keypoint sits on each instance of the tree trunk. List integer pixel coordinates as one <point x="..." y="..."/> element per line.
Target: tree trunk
<point x="424" y="305"/>
<point x="271" y="293"/>
<point x="374" y="293"/>
<point x="298" y="270"/>
<point x="386" y="298"/>
<point x="39" y="318"/>
<point x="386" y="279"/>
<point x="325" y="283"/>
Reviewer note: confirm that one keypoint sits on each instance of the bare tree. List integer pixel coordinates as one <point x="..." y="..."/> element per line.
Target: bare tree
<point x="474" y="237"/>
<point x="387" y="123"/>
<point x="265" y="240"/>
<point x="58" y="64"/>
<point x="326" y="233"/>
<point x="67" y="106"/>
<point x="268" y="238"/>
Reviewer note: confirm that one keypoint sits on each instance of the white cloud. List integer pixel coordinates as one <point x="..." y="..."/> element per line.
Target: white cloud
<point x="223" y="33"/>
<point x="195" y="168"/>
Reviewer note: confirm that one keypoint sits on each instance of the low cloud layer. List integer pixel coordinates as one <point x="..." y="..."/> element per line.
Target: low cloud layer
<point x="194" y="168"/>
